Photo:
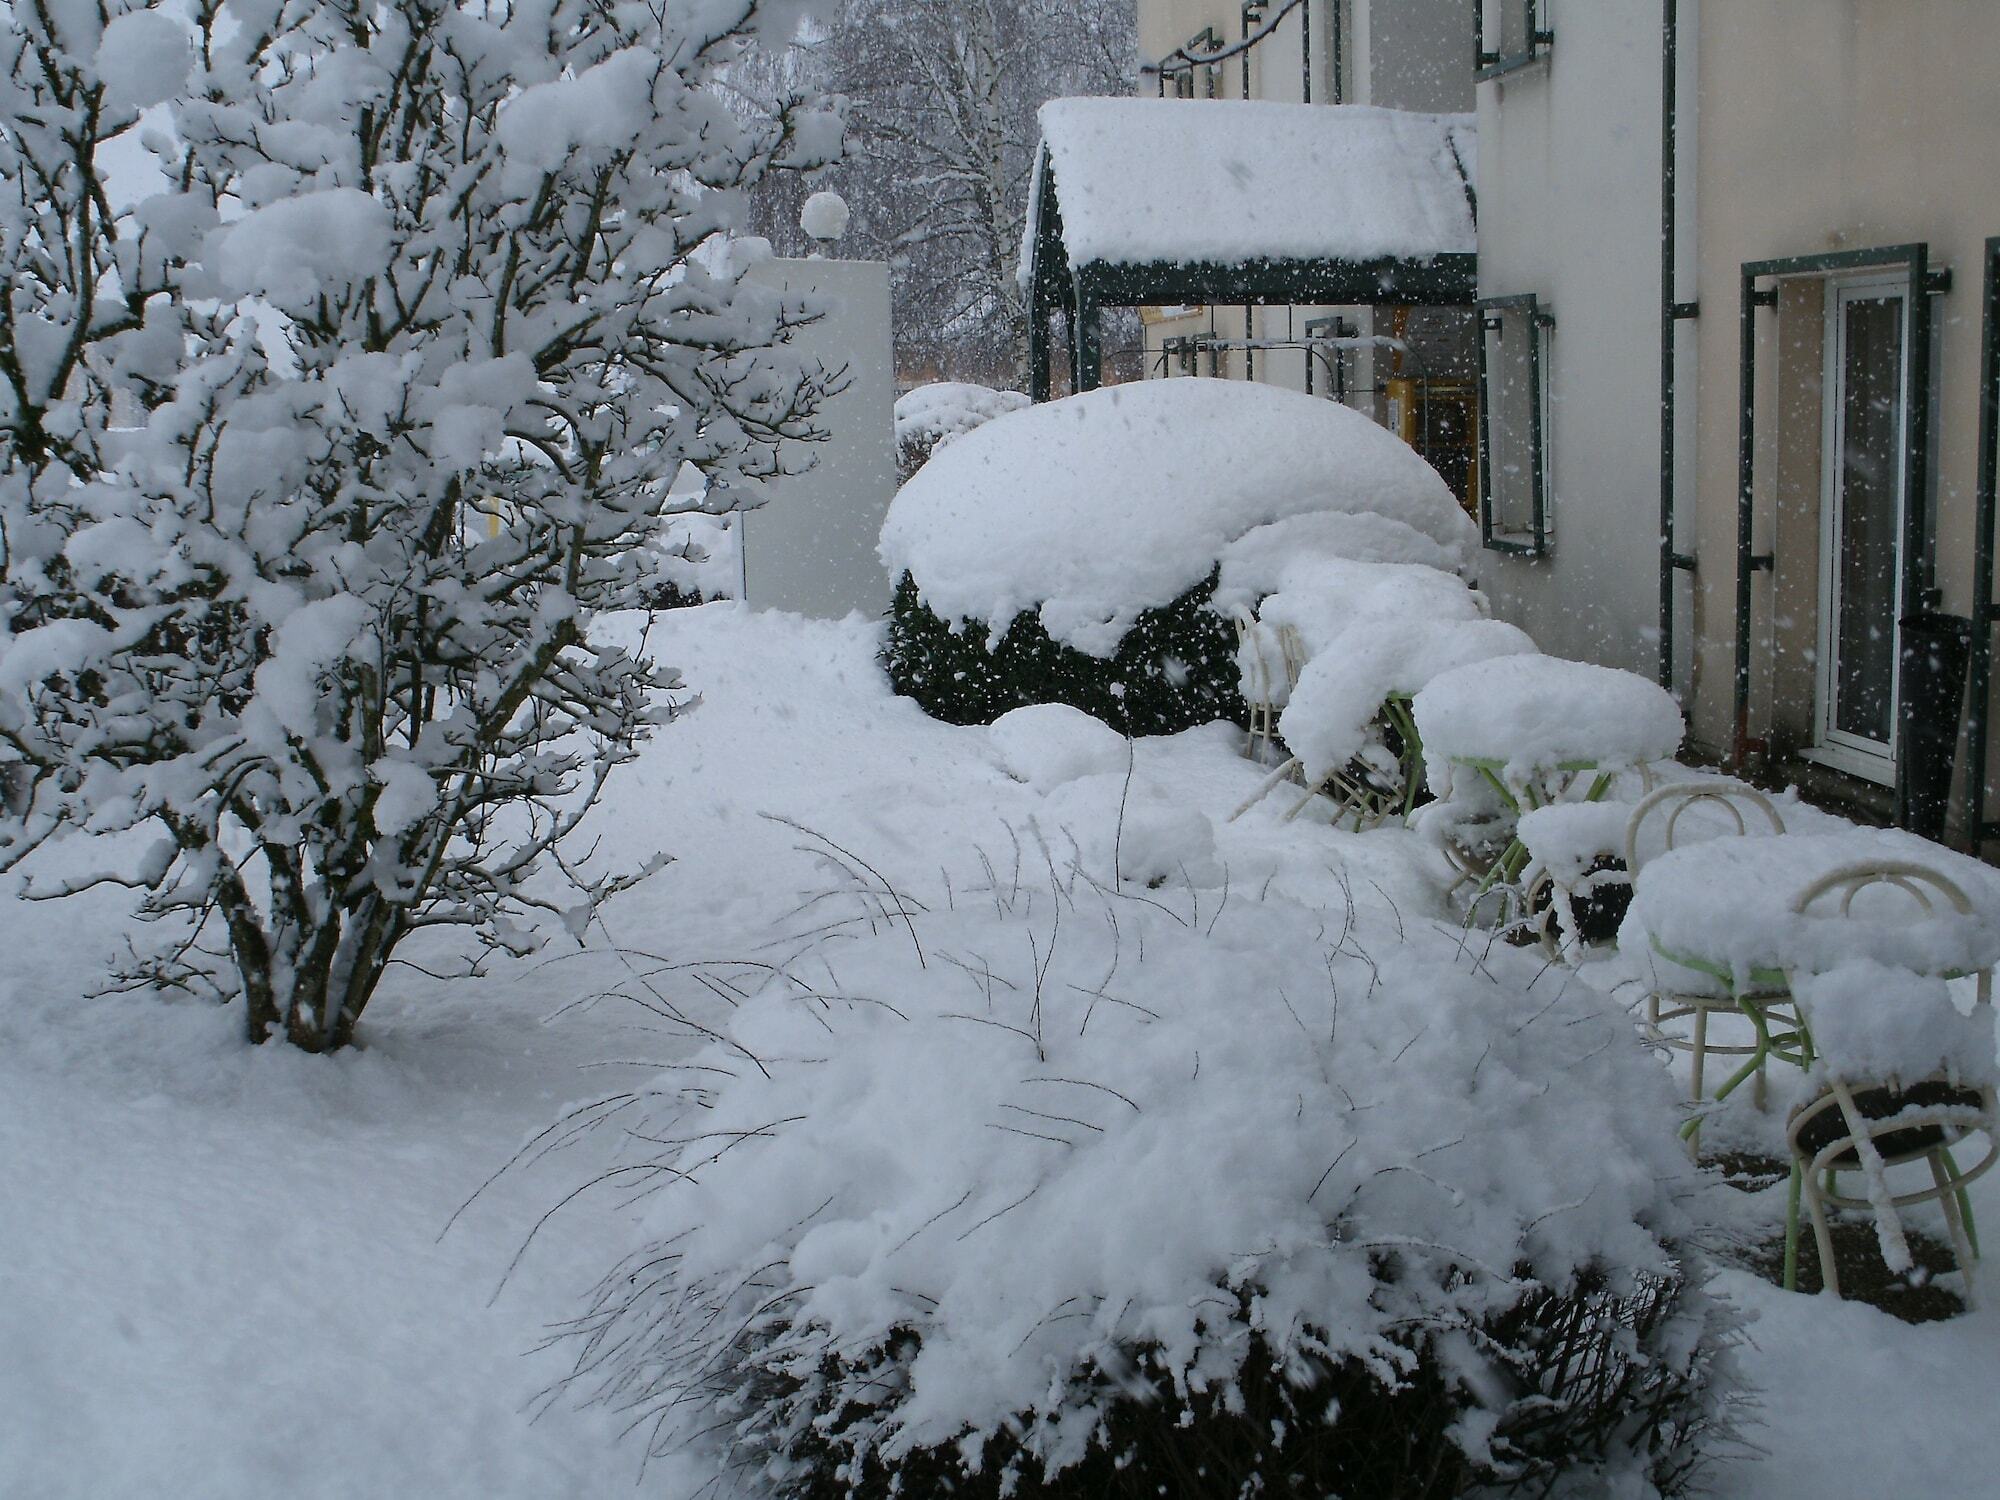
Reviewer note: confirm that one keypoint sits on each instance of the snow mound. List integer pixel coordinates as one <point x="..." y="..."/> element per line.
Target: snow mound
<point x="824" y="216"/>
<point x="1871" y="1022"/>
<point x="1566" y="838"/>
<point x="1099" y="506"/>
<point x="929" y="415"/>
<point x="143" y="59"/>
<point x="1527" y="714"/>
<point x="968" y="1174"/>
<point x="1047" y="744"/>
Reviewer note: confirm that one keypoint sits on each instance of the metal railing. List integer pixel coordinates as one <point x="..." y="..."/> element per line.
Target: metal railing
<point x="1261" y="19"/>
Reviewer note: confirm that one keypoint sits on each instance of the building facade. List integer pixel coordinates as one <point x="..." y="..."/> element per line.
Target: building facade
<point x="1734" y="356"/>
<point x="1758" y="233"/>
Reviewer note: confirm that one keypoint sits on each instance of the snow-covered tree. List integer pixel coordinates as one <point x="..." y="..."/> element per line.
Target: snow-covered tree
<point x="320" y="449"/>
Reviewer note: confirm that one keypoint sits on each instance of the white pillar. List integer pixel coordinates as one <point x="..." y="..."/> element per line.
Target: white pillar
<point x="810" y="547"/>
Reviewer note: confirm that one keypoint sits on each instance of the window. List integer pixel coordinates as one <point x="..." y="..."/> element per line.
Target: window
<point x="1862" y="524"/>
<point x="1513" y="424"/>
<point x="1511" y="34"/>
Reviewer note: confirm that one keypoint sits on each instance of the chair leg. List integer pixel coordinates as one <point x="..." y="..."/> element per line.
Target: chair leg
<point x="1792" y="1226"/>
<point x="1964" y="1201"/>
<point x="1829" y="1273"/>
<point x="1700" y="1053"/>
<point x="1948" y="1196"/>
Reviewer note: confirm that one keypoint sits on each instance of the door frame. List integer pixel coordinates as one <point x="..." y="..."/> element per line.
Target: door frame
<point x="1870" y="759"/>
<point x="1757" y="292"/>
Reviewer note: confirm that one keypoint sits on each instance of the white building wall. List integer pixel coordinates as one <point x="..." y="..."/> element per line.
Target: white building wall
<point x="1569" y="189"/>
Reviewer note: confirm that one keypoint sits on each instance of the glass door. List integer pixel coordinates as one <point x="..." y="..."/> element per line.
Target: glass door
<point x="1862" y="525"/>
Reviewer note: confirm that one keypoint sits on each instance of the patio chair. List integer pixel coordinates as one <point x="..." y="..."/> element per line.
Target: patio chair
<point x="1272" y="660"/>
<point x="1870" y="1112"/>
<point x="1655" y="827"/>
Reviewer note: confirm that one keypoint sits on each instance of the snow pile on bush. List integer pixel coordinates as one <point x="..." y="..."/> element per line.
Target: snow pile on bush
<point x="1046" y="1188"/>
<point x="1091" y="509"/>
<point x="931" y="415"/>
<point x="1098" y="550"/>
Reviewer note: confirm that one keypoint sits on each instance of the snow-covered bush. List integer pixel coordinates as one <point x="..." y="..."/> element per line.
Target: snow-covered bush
<point x="324" y="435"/>
<point x="1031" y="552"/>
<point x="1051" y="1188"/>
<point x="930" y="415"/>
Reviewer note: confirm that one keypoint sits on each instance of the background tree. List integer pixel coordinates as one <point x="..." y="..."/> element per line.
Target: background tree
<point x="941" y="144"/>
<point x="317" y="464"/>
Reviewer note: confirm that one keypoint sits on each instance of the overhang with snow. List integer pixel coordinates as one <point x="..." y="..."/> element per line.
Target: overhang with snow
<point x="1143" y="202"/>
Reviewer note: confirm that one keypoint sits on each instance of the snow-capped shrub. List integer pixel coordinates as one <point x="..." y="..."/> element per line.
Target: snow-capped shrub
<point x="1050" y="1189"/>
<point x="1060" y="532"/>
<point x="929" y="415"/>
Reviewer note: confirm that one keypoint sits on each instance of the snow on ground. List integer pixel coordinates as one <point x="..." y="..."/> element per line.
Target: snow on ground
<point x="225" y="1272"/>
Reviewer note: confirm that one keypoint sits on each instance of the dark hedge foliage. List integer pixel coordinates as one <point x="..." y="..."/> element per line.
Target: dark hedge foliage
<point x="1175" y="668"/>
<point x="1591" y="1376"/>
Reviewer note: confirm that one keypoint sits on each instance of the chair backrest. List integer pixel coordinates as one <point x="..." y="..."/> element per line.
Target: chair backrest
<point x="1674" y="800"/>
<point x="1920" y="883"/>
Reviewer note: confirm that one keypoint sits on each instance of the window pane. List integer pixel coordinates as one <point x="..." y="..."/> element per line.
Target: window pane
<point x="1511" y="409"/>
<point x="1866" y="546"/>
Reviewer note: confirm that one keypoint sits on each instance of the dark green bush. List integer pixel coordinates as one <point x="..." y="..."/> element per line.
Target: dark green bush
<point x="1174" y="669"/>
<point x="1591" y="1378"/>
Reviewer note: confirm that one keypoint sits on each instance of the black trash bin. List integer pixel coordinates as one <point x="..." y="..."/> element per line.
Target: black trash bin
<point x="1935" y="648"/>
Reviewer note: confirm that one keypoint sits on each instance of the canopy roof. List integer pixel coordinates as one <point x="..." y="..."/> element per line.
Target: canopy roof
<point x="1225" y="181"/>
<point x="1165" y="201"/>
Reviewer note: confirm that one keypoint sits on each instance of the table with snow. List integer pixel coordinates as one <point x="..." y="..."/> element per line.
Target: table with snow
<point x="1506" y="736"/>
<point x="1863" y="929"/>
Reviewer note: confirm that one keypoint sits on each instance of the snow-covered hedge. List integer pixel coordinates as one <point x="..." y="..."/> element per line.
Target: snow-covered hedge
<point x="1051" y="1189"/>
<point x="928" y="416"/>
<point x="1082" y="551"/>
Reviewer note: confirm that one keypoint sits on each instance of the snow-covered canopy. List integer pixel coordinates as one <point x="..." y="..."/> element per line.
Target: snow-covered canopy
<point x="1101" y="505"/>
<point x="1225" y="181"/>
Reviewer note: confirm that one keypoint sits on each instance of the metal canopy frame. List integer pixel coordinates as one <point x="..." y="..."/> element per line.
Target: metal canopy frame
<point x="1918" y="561"/>
<point x="1081" y="293"/>
<point x="1495" y="64"/>
<point x="1985" y="615"/>
<point x="1537" y="320"/>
